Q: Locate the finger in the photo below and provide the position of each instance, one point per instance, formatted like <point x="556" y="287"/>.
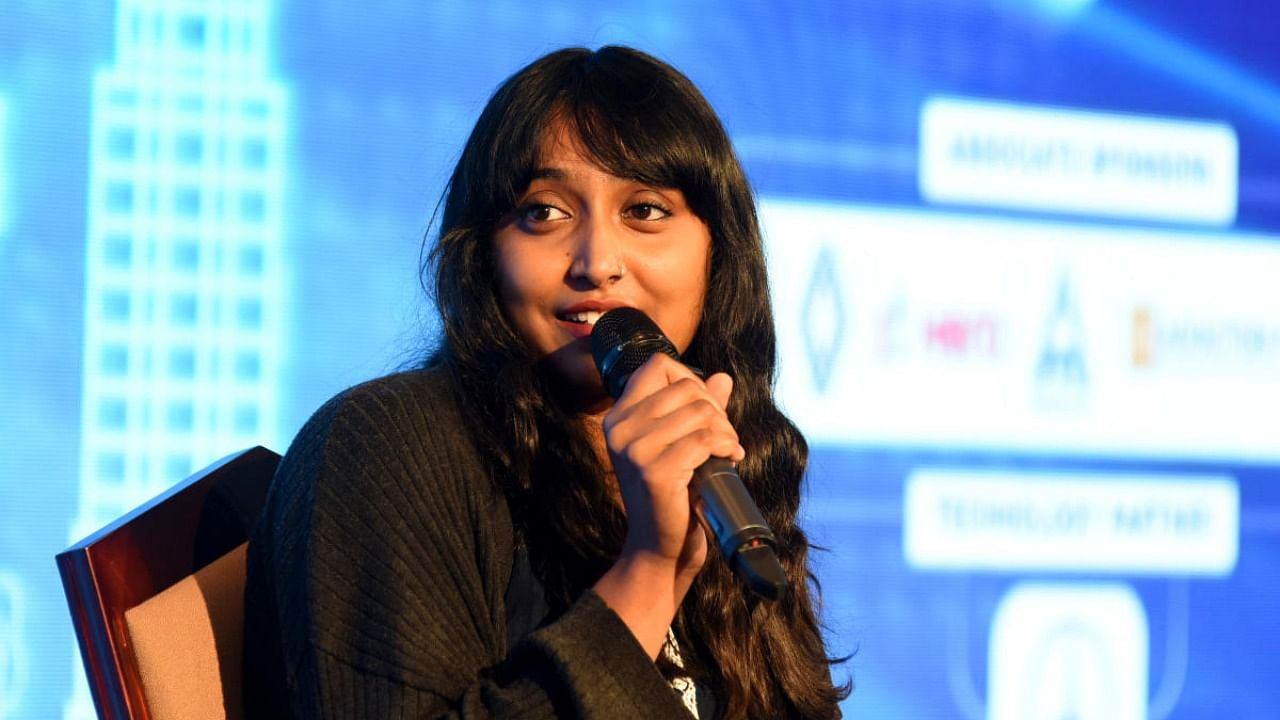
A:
<point x="629" y="420"/>
<point x="666" y="399"/>
<point x="700" y="415"/>
<point x="656" y="373"/>
<point x="682" y="457"/>
<point x="720" y="386"/>
<point x="666" y="416"/>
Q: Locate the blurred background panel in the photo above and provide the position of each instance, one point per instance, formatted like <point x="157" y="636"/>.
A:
<point x="1023" y="256"/>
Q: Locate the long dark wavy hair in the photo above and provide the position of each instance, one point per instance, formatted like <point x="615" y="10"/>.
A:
<point x="640" y="119"/>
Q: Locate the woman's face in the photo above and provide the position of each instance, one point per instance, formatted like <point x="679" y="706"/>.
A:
<point x="581" y="242"/>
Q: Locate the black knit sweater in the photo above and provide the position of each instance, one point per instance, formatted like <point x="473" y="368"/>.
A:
<point x="377" y="576"/>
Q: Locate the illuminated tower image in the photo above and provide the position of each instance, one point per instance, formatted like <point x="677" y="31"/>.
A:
<point x="12" y="655"/>
<point x="4" y="185"/>
<point x="182" y="320"/>
<point x="13" y="646"/>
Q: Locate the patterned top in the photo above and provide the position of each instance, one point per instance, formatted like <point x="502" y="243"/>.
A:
<point x="683" y="685"/>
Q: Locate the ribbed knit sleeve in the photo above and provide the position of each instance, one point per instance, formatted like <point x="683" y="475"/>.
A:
<point x="377" y="576"/>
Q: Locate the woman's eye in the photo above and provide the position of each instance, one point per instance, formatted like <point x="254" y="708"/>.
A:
<point x="541" y="212"/>
<point x="647" y="211"/>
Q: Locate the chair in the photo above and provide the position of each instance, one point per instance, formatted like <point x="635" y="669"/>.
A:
<point x="157" y="597"/>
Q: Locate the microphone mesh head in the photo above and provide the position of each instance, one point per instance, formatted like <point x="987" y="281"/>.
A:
<point x="621" y="341"/>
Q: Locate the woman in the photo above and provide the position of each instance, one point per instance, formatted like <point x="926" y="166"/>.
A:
<point x="493" y="535"/>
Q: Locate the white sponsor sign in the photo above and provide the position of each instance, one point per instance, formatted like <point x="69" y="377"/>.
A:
<point x="1068" y="651"/>
<point x="962" y="520"/>
<point x="1006" y="155"/>
<point x="925" y="328"/>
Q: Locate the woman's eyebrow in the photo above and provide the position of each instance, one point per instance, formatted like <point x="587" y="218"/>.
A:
<point x="549" y="173"/>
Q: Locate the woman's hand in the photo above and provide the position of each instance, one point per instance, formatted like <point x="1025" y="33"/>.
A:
<point x="666" y="423"/>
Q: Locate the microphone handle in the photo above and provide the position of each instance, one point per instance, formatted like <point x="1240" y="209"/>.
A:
<point x="727" y="510"/>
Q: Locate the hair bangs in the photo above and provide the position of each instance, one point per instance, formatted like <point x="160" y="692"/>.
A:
<point x="652" y="128"/>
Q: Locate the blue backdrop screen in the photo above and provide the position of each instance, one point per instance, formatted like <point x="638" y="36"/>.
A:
<point x="1023" y="256"/>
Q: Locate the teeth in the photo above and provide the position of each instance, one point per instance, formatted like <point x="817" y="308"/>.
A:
<point x="590" y="317"/>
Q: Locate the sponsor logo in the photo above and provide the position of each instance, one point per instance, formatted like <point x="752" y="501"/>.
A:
<point x="1161" y="340"/>
<point x="824" y="318"/>
<point x="1062" y="377"/>
<point x="947" y="334"/>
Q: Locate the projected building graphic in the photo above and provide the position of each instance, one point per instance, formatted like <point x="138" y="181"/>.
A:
<point x="13" y="645"/>
<point x="12" y="652"/>
<point x="182" y="299"/>
<point x="4" y="164"/>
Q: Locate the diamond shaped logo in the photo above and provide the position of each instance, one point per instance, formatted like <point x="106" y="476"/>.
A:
<point x="823" y="323"/>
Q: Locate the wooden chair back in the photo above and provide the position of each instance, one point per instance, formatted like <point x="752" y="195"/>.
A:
<point x="195" y="531"/>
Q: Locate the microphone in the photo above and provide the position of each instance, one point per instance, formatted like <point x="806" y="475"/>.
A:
<point x="621" y="341"/>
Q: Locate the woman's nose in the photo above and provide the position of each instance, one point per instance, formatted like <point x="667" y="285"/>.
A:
<point x="597" y="253"/>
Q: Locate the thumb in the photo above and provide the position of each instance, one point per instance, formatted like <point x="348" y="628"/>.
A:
<point x="720" y="386"/>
